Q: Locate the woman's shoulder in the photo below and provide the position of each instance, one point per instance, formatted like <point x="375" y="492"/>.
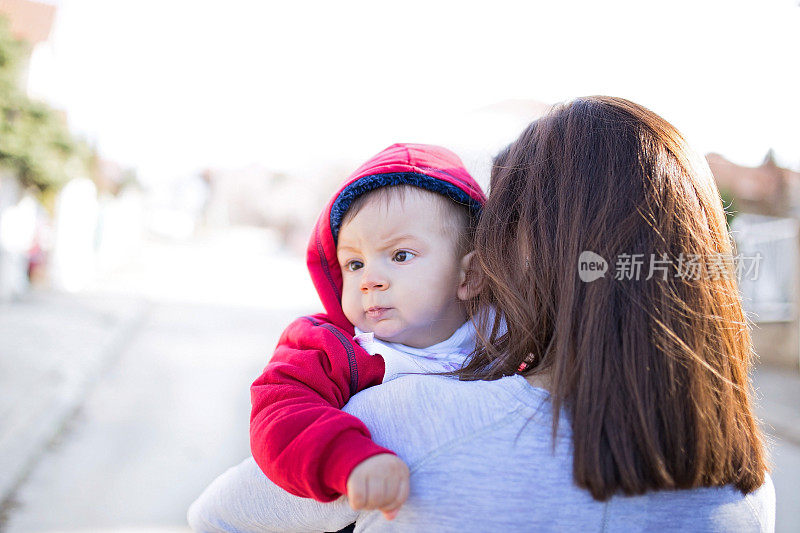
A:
<point x="702" y="509"/>
<point x="426" y="411"/>
<point x="437" y="394"/>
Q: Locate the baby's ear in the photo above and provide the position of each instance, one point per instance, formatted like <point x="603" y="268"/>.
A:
<point x="470" y="277"/>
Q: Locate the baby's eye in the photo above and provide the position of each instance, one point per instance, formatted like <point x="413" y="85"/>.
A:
<point x="401" y="256"/>
<point x="354" y="265"/>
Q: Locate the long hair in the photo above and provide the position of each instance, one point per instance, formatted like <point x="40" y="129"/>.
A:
<point x="651" y="367"/>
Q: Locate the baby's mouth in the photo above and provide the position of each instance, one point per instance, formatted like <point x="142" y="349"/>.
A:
<point x="377" y="312"/>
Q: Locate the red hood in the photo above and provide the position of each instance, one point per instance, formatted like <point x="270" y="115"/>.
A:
<point x="427" y="166"/>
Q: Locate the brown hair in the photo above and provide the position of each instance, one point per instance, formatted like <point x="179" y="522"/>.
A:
<point x="652" y="372"/>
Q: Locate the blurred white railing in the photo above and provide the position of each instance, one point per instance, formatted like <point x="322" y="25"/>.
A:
<point x="769" y="293"/>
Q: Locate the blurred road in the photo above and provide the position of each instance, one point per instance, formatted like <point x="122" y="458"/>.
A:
<point x="151" y="369"/>
<point x="169" y="416"/>
<point x="778" y="408"/>
<point x="168" y="411"/>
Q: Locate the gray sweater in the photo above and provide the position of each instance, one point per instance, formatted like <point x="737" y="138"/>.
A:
<point x="481" y="459"/>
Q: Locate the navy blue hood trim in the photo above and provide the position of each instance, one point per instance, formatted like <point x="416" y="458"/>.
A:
<point x="375" y="181"/>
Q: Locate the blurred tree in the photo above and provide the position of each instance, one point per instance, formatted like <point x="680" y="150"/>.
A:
<point x="729" y="204"/>
<point x="35" y="142"/>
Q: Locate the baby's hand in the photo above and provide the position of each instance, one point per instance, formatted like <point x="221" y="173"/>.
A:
<point x="380" y="482"/>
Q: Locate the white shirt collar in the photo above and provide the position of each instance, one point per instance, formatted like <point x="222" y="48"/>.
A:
<point x="462" y="341"/>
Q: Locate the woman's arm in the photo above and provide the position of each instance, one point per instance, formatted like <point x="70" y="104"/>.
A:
<point x="244" y="499"/>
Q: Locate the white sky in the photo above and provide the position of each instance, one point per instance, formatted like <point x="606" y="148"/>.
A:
<point x="173" y="86"/>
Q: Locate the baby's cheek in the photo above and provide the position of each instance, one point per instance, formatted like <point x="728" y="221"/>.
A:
<point x="352" y="308"/>
<point x="423" y="314"/>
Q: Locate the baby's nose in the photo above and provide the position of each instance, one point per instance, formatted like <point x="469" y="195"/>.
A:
<point x="373" y="282"/>
<point x="372" y="286"/>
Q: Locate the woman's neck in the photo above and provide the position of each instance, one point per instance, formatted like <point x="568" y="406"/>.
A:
<point x="540" y="381"/>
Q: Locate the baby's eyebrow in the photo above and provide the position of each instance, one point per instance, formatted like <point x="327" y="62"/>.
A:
<point x="344" y="248"/>
<point x="388" y="243"/>
<point x="404" y="237"/>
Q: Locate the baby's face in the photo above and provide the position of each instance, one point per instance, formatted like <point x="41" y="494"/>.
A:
<point x="401" y="271"/>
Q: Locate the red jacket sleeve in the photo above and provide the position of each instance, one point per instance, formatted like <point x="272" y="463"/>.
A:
<point x="299" y="436"/>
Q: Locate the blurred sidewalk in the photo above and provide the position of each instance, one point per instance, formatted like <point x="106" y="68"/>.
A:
<point x="778" y="401"/>
<point x="56" y="347"/>
<point x="778" y="409"/>
<point x="53" y="347"/>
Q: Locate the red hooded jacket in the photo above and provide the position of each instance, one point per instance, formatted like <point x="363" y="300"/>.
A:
<point x="298" y="434"/>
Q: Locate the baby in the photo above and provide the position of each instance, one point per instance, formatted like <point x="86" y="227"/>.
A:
<point x="390" y="257"/>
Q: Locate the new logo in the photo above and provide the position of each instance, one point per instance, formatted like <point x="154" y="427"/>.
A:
<point x="591" y="266"/>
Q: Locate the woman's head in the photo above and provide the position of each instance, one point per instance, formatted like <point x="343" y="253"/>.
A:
<point x="652" y="367"/>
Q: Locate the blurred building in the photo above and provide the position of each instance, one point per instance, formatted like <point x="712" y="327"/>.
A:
<point x="21" y="216"/>
<point x="256" y="196"/>
<point x="766" y="227"/>
<point x="31" y="23"/>
<point x="766" y="190"/>
<point x="93" y="222"/>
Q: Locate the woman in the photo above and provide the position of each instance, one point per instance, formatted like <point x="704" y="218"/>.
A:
<point x="586" y="403"/>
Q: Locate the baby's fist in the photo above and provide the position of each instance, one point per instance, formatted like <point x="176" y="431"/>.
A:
<point x="379" y="482"/>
